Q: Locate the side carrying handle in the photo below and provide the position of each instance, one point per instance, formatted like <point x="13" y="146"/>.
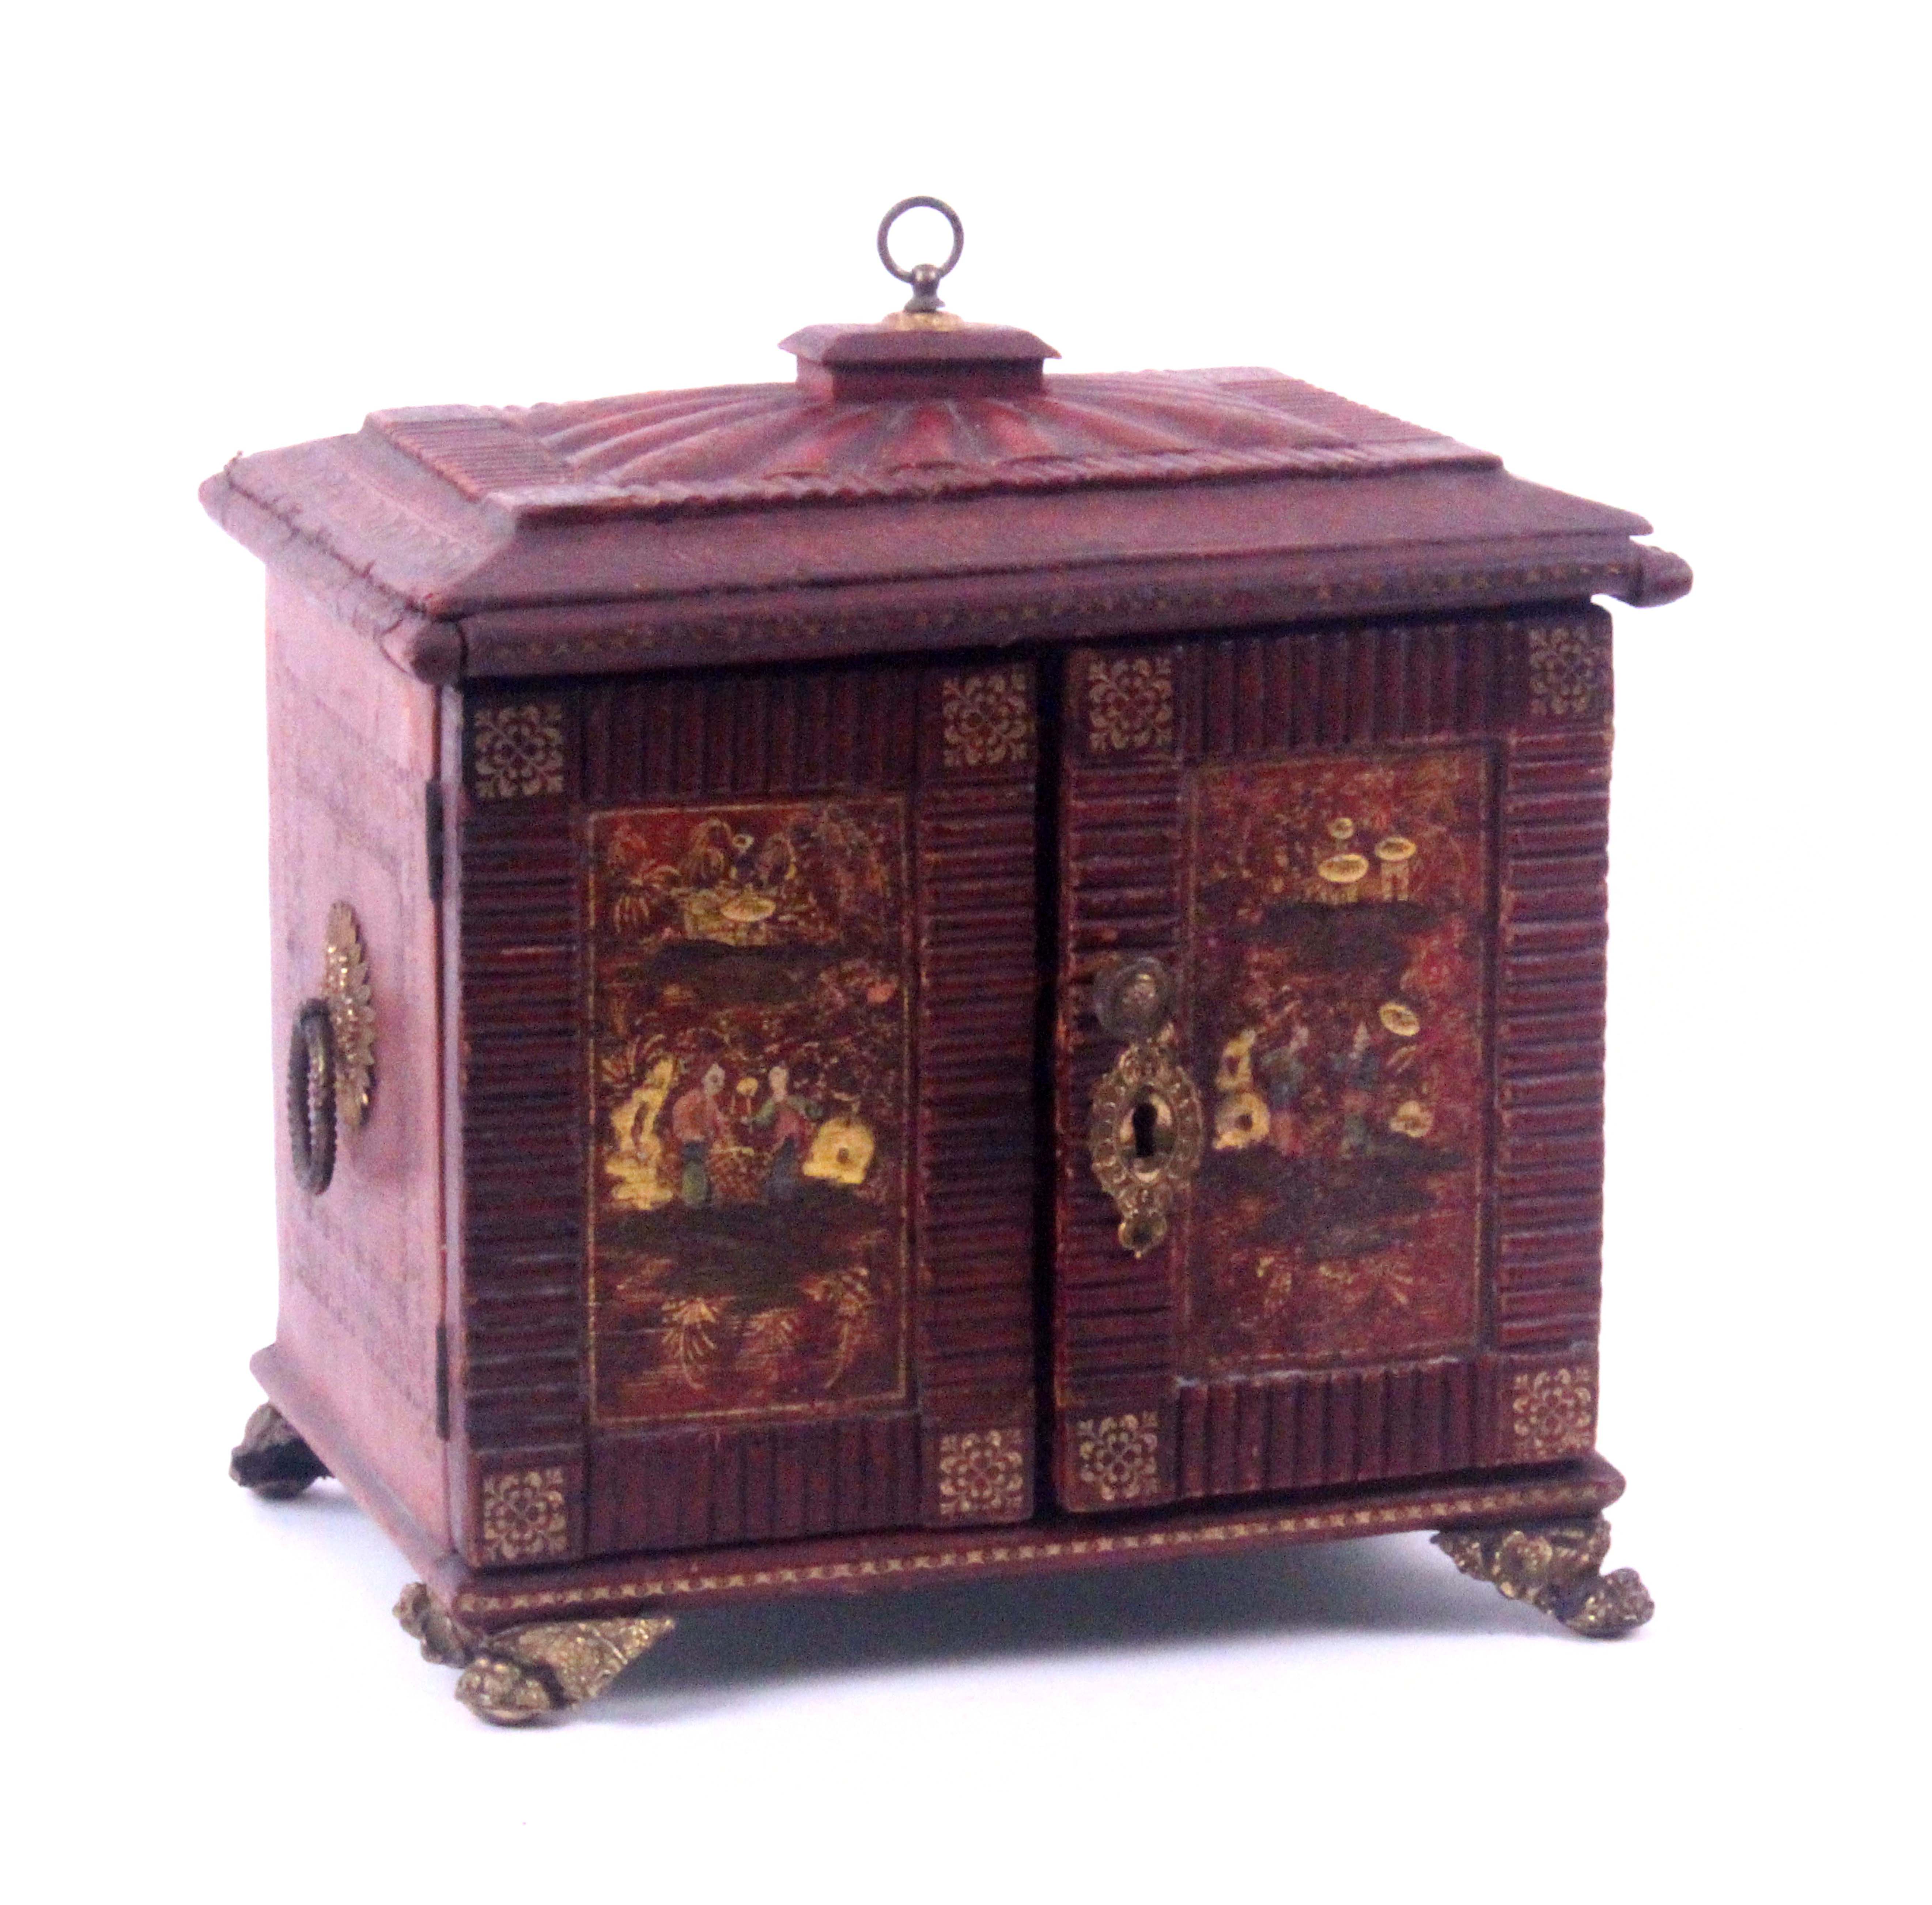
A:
<point x="1145" y="1128"/>
<point x="331" y="1053"/>
<point x="312" y="1096"/>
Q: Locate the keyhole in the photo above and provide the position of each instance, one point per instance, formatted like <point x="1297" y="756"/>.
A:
<point x="1145" y="1135"/>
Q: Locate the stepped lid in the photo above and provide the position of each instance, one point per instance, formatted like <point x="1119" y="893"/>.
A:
<point x="581" y="536"/>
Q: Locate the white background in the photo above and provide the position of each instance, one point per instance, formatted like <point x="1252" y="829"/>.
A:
<point x="1664" y="255"/>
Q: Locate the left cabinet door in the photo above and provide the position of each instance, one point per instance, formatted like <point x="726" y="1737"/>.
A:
<point x="747" y="986"/>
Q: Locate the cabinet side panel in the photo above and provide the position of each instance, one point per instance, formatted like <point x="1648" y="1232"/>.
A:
<point x="352" y="747"/>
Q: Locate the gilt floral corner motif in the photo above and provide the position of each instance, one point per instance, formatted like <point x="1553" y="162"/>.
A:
<point x="516" y="750"/>
<point x="1117" y="1457"/>
<point x="986" y="719"/>
<point x="1552" y="1413"/>
<point x="525" y="1515"/>
<point x="1130" y="704"/>
<point x="982" y="1475"/>
<point x="1569" y="672"/>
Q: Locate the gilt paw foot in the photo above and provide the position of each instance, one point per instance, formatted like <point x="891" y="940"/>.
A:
<point x="1554" y="1566"/>
<point x="525" y="1673"/>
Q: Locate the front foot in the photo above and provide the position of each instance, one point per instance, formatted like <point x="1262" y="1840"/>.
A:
<point x="525" y="1673"/>
<point x="1554" y="1566"/>
<point x="270" y="1460"/>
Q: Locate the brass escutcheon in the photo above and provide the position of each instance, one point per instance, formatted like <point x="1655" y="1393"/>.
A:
<point x="1145" y="1129"/>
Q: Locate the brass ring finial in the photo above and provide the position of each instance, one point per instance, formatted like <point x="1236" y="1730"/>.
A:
<point x="924" y="279"/>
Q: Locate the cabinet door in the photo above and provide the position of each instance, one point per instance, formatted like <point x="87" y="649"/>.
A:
<point x="797" y="1078"/>
<point x="1330" y="1083"/>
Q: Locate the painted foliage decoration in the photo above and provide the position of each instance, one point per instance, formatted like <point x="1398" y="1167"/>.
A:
<point x="748" y="1220"/>
<point x="1339" y="916"/>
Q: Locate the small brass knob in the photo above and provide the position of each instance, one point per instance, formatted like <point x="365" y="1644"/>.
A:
<point x="1135" y="999"/>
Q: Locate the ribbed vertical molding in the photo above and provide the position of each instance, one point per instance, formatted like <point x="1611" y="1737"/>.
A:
<point x="521" y="1398"/>
<point x="1331" y="687"/>
<point x="803" y="731"/>
<point x="1329" y="1425"/>
<point x="1554" y="821"/>
<point x="978" y="989"/>
<point x="1123" y="839"/>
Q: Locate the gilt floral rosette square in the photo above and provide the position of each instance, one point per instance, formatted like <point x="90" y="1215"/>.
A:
<point x="749" y="1227"/>
<point x="1340" y="909"/>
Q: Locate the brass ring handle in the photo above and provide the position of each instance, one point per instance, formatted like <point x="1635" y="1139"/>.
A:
<point x="1145" y="1129"/>
<point x="924" y="279"/>
<point x="312" y="1097"/>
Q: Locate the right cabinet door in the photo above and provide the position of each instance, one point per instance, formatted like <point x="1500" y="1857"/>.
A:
<point x="1329" y="1070"/>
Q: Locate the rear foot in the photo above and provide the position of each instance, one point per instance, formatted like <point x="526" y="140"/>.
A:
<point x="271" y="1460"/>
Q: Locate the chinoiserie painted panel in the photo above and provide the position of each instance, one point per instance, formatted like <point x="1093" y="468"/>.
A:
<point x="1370" y="861"/>
<point x="1339" y="923"/>
<point x="750" y="1242"/>
<point x="788" y="1027"/>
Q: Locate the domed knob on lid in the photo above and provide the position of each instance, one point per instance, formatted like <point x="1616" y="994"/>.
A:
<point x="924" y="350"/>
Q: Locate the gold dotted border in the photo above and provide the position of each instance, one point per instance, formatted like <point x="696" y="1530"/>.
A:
<point x="1413" y="585"/>
<point x="1410" y="1514"/>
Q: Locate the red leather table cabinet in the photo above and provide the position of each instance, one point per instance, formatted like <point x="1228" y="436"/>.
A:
<point x="940" y="970"/>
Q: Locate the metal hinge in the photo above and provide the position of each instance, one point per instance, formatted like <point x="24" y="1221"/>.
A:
<point x="433" y="836"/>
<point x="442" y="1381"/>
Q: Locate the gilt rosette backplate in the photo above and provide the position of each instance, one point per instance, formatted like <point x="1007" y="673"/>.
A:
<point x="351" y="1014"/>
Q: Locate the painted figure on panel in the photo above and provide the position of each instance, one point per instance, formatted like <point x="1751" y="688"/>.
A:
<point x="792" y="1121"/>
<point x="749" y="1229"/>
<point x="1284" y="1067"/>
<point x="696" y="1123"/>
<point x="1339" y="915"/>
